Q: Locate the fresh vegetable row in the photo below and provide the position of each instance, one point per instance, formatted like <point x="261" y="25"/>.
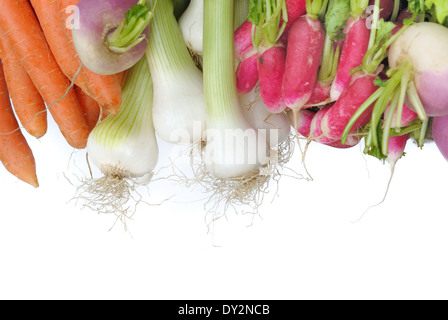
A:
<point x="230" y="78"/>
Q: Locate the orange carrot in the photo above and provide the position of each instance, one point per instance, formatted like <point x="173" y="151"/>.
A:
<point x="90" y="107"/>
<point x="20" y="26"/>
<point x="28" y="104"/>
<point x="15" y="153"/>
<point x="47" y="13"/>
<point x="106" y="90"/>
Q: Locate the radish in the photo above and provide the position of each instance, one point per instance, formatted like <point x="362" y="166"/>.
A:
<point x="336" y="119"/>
<point x="304" y="51"/>
<point x="242" y="39"/>
<point x="389" y="93"/>
<point x="268" y="19"/>
<point x="421" y="49"/>
<point x="396" y="148"/>
<point x="247" y="72"/>
<point x="303" y="120"/>
<point x="112" y="35"/>
<point x="386" y="7"/>
<point x="316" y="133"/>
<point x="335" y="20"/>
<point x="440" y="134"/>
<point x="295" y="9"/>
<point x="271" y="68"/>
<point x="354" y="49"/>
<point x="320" y="95"/>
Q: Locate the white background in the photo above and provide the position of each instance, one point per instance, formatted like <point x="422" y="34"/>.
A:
<point x="306" y="243"/>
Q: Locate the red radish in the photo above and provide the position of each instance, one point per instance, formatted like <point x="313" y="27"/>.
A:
<point x="242" y="39"/>
<point x="303" y="119"/>
<point x="296" y="9"/>
<point x="317" y="135"/>
<point x="396" y="148"/>
<point x="386" y="7"/>
<point x="404" y="14"/>
<point x="247" y="74"/>
<point x="268" y="19"/>
<point x="440" y="134"/>
<point x="354" y="49"/>
<point x="271" y="68"/>
<point x="304" y="51"/>
<point x="320" y="95"/>
<point x="337" y="118"/>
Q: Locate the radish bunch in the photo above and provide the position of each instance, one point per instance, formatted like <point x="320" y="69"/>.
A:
<point x="361" y="69"/>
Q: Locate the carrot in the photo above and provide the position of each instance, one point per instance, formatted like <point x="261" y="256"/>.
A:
<point x="21" y="28"/>
<point x="47" y="13"/>
<point x="106" y="90"/>
<point x="15" y="153"/>
<point x="28" y="104"/>
<point x="90" y="107"/>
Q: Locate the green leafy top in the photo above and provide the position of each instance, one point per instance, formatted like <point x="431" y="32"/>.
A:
<point x="336" y="17"/>
<point x="358" y="7"/>
<point x="439" y="9"/>
<point x="434" y="10"/>
<point x="269" y="18"/>
<point x="416" y="6"/>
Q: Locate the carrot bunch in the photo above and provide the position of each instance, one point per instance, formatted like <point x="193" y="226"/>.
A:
<point x="41" y="71"/>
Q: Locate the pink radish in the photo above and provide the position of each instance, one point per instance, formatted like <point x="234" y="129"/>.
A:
<point x="440" y="134"/>
<point x="320" y="95"/>
<point x="396" y="148"/>
<point x="247" y="73"/>
<point x="296" y="9"/>
<point x="304" y="51"/>
<point x="242" y="39"/>
<point x="422" y="50"/>
<point x="317" y="135"/>
<point x="303" y="120"/>
<point x="353" y="51"/>
<point x="271" y="68"/>
<point x="269" y="22"/>
<point x="386" y="7"/>
<point x="336" y="120"/>
<point x="404" y="14"/>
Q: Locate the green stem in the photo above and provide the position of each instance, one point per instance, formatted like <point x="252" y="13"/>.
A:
<point x="218" y="61"/>
<point x="423" y="130"/>
<point x="167" y="52"/>
<point x="388" y="118"/>
<point x="135" y="111"/>
<point x="241" y="12"/>
<point x="316" y="8"/>
<point x="358" y="7"/>
<point x="403" y="87"/>
<point x="415" y="101"/>
<point x="326" y="65"/>
<point x="395" y="11"/>
<point x="381" y="105"/>
<point x="374" y="26"/>
<point x="129" y="33"/>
